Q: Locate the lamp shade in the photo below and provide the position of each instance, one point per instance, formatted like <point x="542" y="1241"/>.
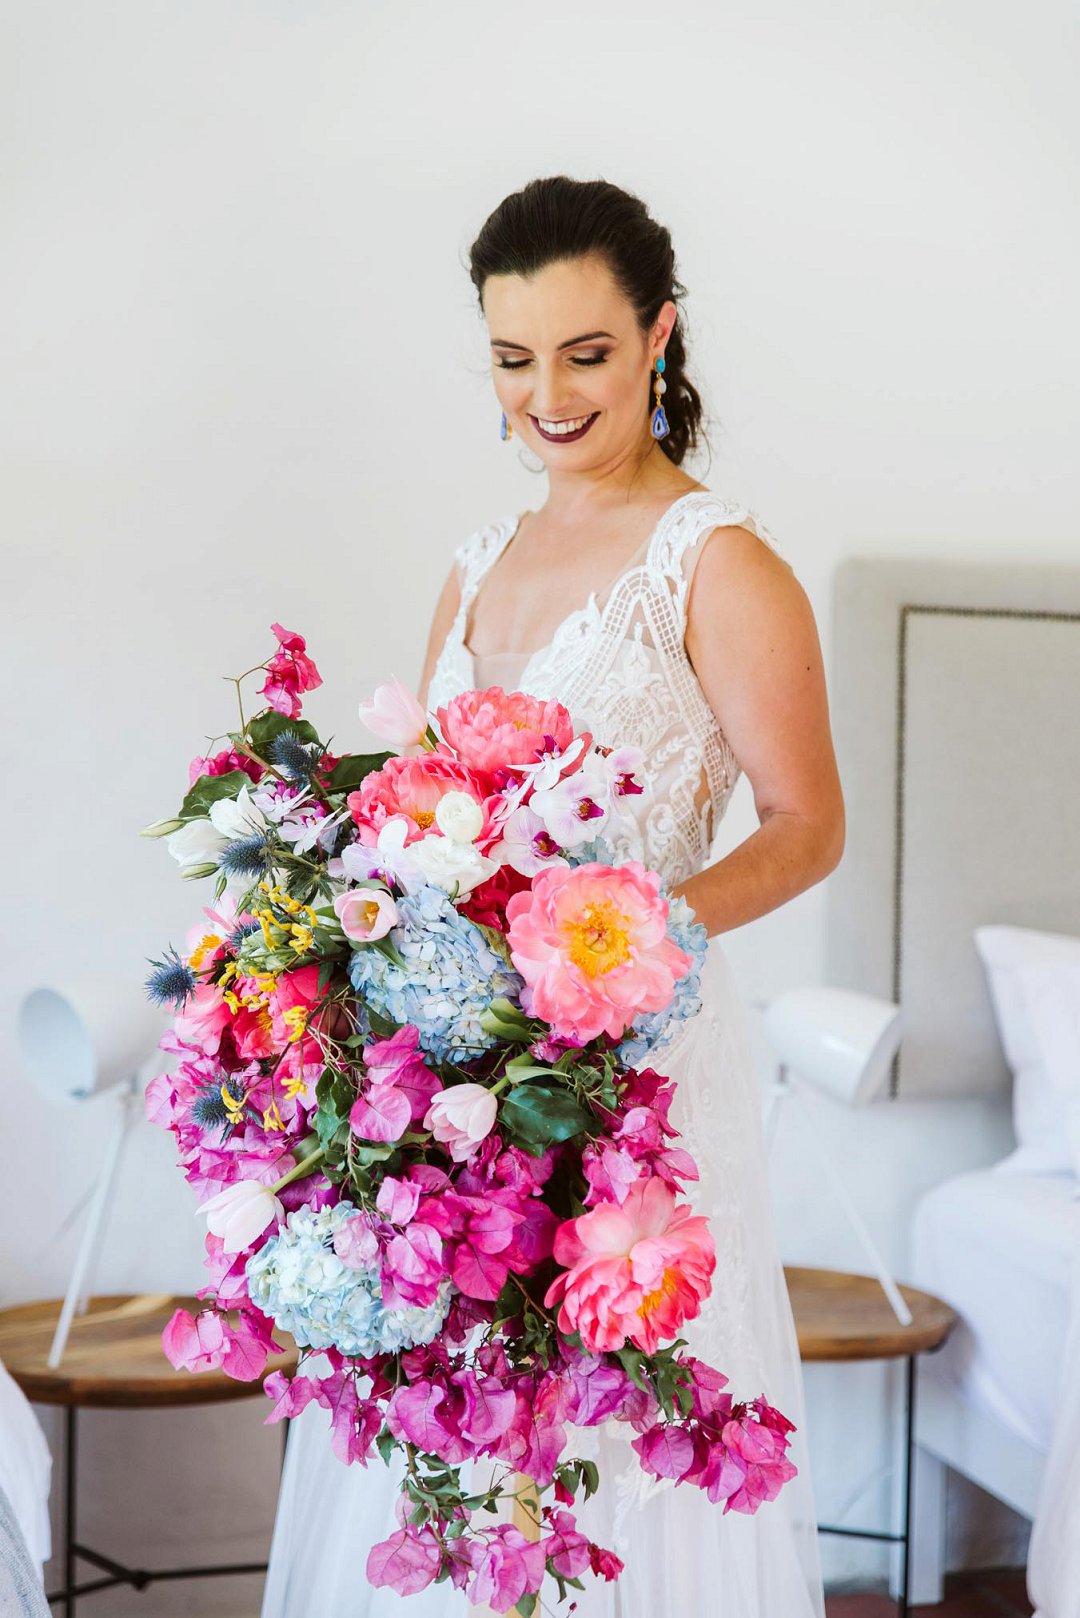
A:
<point x="86" y="1035"/>
<point x="839" y="1040"/>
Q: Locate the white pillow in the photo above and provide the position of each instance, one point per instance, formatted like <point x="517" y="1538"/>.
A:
<point x="1052" y="992"/>
<point x="1014" y="959"/>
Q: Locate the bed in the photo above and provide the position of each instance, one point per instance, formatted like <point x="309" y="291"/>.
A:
<point x="998" y="1245"/>
<point x="952" y="689"/>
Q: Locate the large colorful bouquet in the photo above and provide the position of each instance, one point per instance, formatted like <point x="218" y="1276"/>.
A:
<point x="409" y="1092"/>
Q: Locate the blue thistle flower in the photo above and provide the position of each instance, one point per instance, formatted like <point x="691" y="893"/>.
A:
<point x="240" y="931"/>
<point x="246" y="856"/>
<point x="289" y="754"/>
<point x="208" y="1109"/>
<point x="451" y="973"/>
<point x="298" y="1280"/>
<point x="171" y="982"/>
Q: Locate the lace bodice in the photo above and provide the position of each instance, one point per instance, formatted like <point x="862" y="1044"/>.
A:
<point x="620" y="666"/>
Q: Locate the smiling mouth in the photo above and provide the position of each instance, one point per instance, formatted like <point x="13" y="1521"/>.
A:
<point x="566" y="436"/>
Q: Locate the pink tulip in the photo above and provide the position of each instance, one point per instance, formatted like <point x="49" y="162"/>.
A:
<point x="460" y="1117"/>
<point x="366" y="913"/>
<point x="394" y="714"/>
<point x="637" y="1270"/>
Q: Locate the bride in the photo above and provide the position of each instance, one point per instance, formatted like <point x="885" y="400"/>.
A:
<point x="662" y="615"/>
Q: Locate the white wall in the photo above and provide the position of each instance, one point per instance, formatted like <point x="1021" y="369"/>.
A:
<point x="245" y="380"/>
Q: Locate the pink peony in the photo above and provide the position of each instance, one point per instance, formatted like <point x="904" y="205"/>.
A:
<point x="289" y="673"/>
<point x="637" y="1270"/>
<point x="495" y="730"/>
<point x="411" y="787"/>
<point x="203" y="1018"/>
<point x="591" y="943"/>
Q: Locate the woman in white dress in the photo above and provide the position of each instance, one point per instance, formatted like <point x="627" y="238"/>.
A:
<point x="661" y="614"/>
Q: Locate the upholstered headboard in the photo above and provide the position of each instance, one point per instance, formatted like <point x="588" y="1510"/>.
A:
<point x="955" y="699"/>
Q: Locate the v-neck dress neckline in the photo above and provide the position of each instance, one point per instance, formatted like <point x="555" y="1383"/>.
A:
<point x="594" y="605"/>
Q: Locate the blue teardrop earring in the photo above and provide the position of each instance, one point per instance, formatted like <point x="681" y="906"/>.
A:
<point x="505" y="429"/>
<point x="659" y="423"/>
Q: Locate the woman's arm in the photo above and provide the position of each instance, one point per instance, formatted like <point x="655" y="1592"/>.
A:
<point x="753" y="642"/>
<point x="445" y="612"/>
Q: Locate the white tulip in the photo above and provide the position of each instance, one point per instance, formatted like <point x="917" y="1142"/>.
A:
<point x="240" y="1213"/>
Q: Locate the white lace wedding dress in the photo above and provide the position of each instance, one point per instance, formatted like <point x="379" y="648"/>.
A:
<point x="619" y="665"/>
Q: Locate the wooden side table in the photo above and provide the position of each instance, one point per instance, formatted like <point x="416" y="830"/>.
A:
<point x="848" y="1317"/>
<point x="113" y="1360"/>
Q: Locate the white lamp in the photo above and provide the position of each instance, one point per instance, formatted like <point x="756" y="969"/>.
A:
<point x="842" y="1043"/>
<point x="89" y="1038"/>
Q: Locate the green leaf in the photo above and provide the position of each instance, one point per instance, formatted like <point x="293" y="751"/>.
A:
<point x="265" y="728"/>
<point x="540" y="1115"/>
<point x="349" y="772"/>
<point x="630" y="1360"/>
<point x="590" y="1477"/>
<point x="386" y="1443"/>
<point x="210" y="789"/>
<point x="506" y="1021"/>
<point x="526" y="1604"/>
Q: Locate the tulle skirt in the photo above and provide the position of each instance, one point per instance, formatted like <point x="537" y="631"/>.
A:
<point x="681" y="1552"/>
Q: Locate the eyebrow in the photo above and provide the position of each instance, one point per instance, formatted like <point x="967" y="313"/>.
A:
<point x="586" y="337"/>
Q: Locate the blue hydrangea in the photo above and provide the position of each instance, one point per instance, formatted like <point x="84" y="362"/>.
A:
<point x="298" y="1280"/>
<point x="451" y="973"/>
<point x="597" y="849"/>
<point x="658" y="1028"/>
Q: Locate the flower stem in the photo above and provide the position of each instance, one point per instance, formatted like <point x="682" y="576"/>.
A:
<point x="302" y="1168"/>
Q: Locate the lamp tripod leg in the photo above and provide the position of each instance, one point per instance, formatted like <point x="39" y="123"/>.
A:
<point x="889" y="1287"/>
<point x="89" y="1243"/>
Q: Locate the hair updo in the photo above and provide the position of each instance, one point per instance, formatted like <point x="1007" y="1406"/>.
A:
<point x="558" y="218"/>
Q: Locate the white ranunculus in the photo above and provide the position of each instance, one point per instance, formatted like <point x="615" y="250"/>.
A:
<point x="459" y="817"/>
<point x="240" y="1213"/>
<point x="445" y="864"/>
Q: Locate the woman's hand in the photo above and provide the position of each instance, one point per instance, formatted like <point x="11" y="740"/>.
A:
<point x="753" y="642"/>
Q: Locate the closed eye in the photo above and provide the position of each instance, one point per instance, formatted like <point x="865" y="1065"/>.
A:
<point x="516" y="365"/>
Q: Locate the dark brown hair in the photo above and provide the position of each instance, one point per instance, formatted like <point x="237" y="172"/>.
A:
<point x="558" y="218"/>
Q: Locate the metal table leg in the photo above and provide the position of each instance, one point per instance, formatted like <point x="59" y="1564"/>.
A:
<point x="70" y="1464"/>
<point x="903" y="1604"/>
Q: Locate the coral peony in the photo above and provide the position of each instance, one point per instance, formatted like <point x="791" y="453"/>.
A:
<point x="637" y="1270"/>
<point x="496" y="730"/>
<point x="592" y="944"/>
<point x="411" y="787"/>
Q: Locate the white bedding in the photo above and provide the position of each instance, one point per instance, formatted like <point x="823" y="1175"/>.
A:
<point x="998" y="1245"/>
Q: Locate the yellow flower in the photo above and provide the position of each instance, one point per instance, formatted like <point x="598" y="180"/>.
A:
<point x="272" y="1118"/>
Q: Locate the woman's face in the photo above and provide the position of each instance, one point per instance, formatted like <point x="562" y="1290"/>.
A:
<point x="565" y="347"/>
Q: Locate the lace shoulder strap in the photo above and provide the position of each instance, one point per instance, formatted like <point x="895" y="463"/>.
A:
<point x="676" y="546"/>
<point x="475" y="555"/>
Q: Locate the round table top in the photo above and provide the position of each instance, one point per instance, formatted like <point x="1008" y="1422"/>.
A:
<point x="113" y="1355"/>
<point x="839" y="1316"/>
